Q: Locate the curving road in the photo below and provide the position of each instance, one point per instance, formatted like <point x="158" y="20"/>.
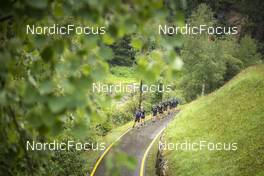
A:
<point x="134" y="143"/>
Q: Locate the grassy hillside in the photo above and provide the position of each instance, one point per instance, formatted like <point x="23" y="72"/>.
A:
<point x="232" y="114"/>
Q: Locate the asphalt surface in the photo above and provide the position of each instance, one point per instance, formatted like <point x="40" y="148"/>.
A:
<point x="134" y="144"/>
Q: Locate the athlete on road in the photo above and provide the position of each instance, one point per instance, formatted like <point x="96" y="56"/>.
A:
<point x="175" y="103"/>
<point x="154" y="113"/>
<point x="171" y="104"/>
<point x="137" y="118"/>
<point x="160" y="110"/>
<point x="165" y="107"/>
<point x="142" y="117"/>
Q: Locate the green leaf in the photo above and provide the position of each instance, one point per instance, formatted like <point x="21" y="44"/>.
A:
<point x="2" y="98"/>
<point x="31" y="95"/>
<point x="57" y="104"/>
<point x="34" y="120"/>
<point x="58" y="9"/>
<point x="137" y="43"/>
<point x="106" y="53"/>
<point x="58" y="46"/>
<point x="157" y="4"/>
<point x="57" y="127"/>
<point x="107" y="39"/>
<point x="67" y="86"/>
<point x="46" y="87"/>
<point x="40" y="4"/>
<point x="47" y="54"/>
<point x="80" y="128"/>
<point x="99" y="71"/>
<point x="86" y="69"/>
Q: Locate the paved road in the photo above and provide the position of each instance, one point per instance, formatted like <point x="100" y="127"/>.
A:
<point x="134" y="143"/>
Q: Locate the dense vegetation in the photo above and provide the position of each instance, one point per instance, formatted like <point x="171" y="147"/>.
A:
<point x="124" y="54"/>
<point x="246" y="14"/>
<point x="45" y="81"/>
<point x="211" y="61"/>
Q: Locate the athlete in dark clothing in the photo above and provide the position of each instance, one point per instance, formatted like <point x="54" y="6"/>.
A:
<point x="177" y="102"/>
<point x="160" y="110"/>
<point x="142" y="116"/>
<point x="154" y="112"/>
<point x="163" y="106"/>
<point x="137" y="117"/>
<point x="171" y="104"/>
<point x="174" y="103"/>
<point x="166" y="104"/>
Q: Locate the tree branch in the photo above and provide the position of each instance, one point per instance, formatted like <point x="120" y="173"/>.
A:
<point x="4" y="18"/>
<point x="22" y="139"/>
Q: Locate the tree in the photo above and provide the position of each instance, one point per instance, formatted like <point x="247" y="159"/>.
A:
<point x="204" y="66"/>
<point x="45" y="80"/>
<point x="209" y="63"/>
<point x="229" y="48"/>
<point x="247" y="51"/>
<point x="123" y="52"/>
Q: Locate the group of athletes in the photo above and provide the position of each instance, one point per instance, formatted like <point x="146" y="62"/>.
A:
<point x="159" y="111"/>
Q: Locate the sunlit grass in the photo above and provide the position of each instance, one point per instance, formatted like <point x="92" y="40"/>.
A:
<point x="233" y="114"/>
<point x="121" y="74"/>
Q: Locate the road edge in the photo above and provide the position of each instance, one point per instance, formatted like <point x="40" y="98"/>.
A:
<point x="143" y="161"/>
<point x="106" y="151"/>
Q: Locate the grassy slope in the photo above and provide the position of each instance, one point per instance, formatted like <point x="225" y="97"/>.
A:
<point x="234" y="113"/>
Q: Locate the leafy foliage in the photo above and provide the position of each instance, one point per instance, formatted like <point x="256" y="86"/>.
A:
<point x="247" y="51"/>
<point x="209" y="61"/>
<point x="204" y="65"/>
<point x="123" y="52"/>
<point x="45" y="80"/>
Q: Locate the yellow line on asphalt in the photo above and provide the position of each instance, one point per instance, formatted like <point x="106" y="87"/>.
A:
<point x="106" y="151"/>
<point x="146" y="154"/>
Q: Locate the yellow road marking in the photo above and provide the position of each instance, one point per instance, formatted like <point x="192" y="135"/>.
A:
<point x="110" y="146"/>
<point x="106" y="151"/>
<point x="146" y="154"/>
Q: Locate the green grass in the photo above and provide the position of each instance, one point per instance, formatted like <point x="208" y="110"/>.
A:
<point x="121" y="74"/>
<point x="232" y="114"/>
<point x="151" y="159"/>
